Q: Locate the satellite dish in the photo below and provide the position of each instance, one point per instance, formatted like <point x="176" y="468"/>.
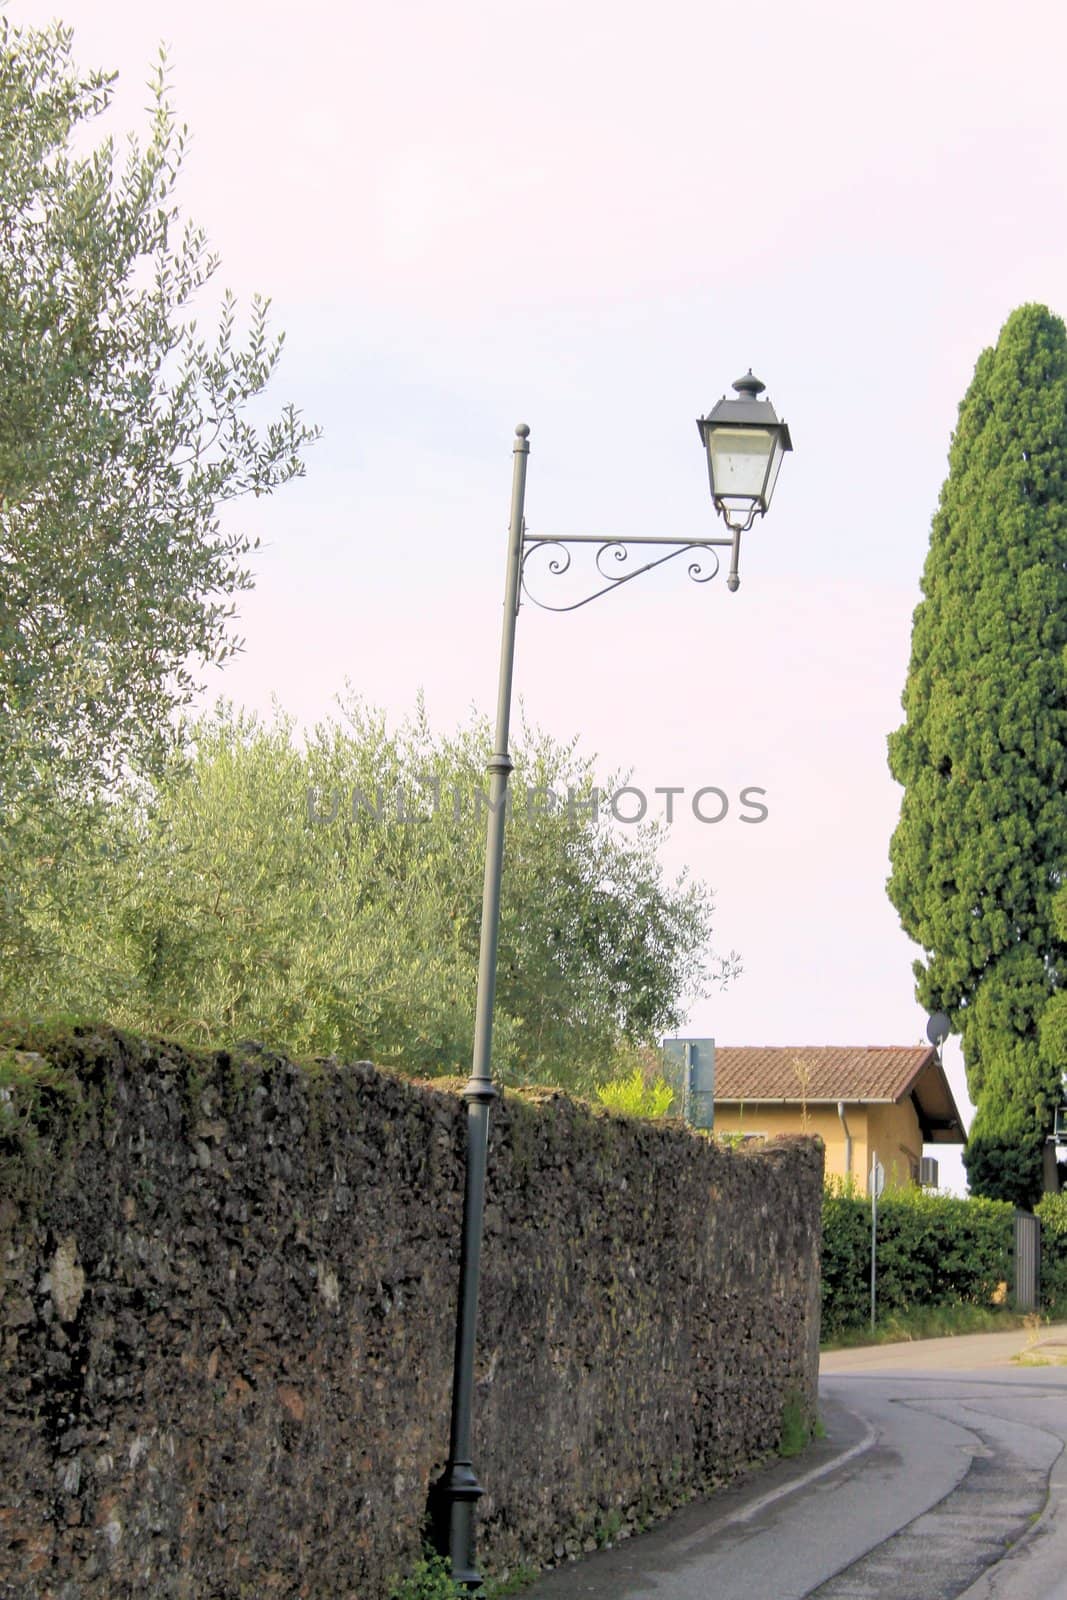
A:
<point x="938" y="1029"/>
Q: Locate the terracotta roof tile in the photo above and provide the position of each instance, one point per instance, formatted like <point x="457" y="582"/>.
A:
<point x="818" y="1072"/>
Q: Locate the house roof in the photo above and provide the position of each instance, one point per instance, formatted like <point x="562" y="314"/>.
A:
<point x="856" y="1074"/>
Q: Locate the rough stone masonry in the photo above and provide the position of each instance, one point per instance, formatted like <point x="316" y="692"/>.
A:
<point x="227" y="1315"/>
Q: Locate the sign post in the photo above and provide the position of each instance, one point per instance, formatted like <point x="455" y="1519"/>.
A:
<point x="689" y="1068"/>
<point x="877" y="1183"/>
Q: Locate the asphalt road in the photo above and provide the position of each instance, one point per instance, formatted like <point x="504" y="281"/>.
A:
<point x="943" y="1475"/>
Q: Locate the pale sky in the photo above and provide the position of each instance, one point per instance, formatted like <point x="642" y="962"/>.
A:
<point x="592" y="217"/>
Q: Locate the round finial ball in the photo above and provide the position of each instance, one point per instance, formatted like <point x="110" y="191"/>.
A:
<point x="522" y="430"/>
<point x="733" y="584"/>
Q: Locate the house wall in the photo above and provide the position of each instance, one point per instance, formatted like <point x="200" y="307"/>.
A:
<point x="894" y="1133"/>
<point x="227" y="1303"/>
<point x="890" y="1130"/>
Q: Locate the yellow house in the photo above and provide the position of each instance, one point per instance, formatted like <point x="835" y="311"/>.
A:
<point x="885" y="1100"/>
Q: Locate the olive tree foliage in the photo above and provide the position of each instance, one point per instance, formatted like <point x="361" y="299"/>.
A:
<point x="325" y="897"/>
<point x="123" y="430"/>
<point x="979" y="854"/>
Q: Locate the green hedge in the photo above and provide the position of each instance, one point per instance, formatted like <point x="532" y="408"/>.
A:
<point x="932" y="1251"/>
<point x="1052" y="1210"/>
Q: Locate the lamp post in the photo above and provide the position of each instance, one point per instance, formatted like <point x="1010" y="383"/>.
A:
<point x="745" y="444"/>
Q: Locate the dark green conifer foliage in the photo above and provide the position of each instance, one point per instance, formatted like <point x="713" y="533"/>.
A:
<point x="980" y="849"/>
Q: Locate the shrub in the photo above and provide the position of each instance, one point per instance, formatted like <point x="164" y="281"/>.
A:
<point x="265" y="887"/>
<point x="840" y="1188"/>
<point x="1052" y="1209"/>
<point x="933" y="1250"/>
<point x="633" y="1097"/>
<point x="430" y="1580"/>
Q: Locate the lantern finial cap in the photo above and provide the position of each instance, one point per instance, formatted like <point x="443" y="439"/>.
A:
<point x="749" y="386"/>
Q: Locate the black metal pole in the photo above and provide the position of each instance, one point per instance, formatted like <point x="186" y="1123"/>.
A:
<point x="459" y="1490"/>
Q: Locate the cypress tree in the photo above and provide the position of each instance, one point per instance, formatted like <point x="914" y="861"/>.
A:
<point x="978" y="855"/>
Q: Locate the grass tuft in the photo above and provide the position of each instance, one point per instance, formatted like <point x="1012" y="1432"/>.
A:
<point x="928" y="1322"/>
<point x="797" y="1430"/>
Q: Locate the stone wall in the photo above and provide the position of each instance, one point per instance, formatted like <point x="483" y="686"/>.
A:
<point x="227" y="1308"/>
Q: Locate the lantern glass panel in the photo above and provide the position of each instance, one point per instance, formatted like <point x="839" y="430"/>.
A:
<point x="739" y="459"/>
<point x="772" y="476"/>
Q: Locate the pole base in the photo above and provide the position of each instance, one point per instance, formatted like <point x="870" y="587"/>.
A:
<point x="453" y="1499"/>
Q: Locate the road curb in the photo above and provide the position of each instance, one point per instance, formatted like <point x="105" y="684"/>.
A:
<point x="858" y="1447"/>
<point x="848" y="1436"/>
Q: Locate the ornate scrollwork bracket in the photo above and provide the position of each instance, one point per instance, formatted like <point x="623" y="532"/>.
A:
<point x="612" y="562"/>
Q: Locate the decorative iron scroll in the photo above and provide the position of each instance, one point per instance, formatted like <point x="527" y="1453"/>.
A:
<point x="613" y="553"/>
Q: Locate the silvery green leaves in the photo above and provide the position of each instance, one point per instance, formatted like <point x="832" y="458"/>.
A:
<point x="123" y="434"/>
<point x="215" y="907"/>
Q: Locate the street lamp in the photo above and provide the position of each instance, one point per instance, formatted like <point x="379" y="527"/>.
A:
<point x="745" y="443"/>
